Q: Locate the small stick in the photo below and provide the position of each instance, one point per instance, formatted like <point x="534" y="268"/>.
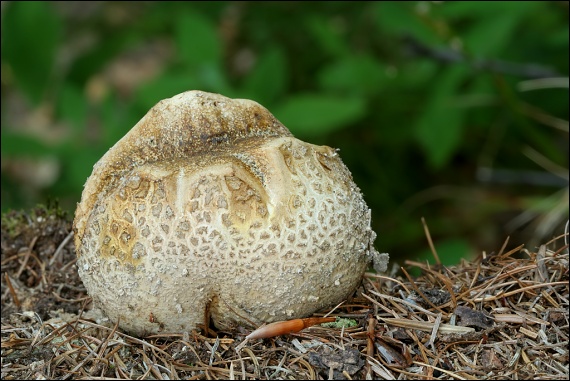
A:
<point x="12" y="291"/>
<point x="432" y="247"/>
<point x="370" y="343"/>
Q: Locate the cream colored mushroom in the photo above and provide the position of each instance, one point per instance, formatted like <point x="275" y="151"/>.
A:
<point x="209" y="206"/>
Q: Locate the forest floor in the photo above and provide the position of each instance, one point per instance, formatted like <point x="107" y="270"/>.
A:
<point x="502" y="316"/>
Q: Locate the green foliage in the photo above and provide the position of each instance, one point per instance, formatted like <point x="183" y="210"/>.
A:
<point x="416" y="95"/>
<point x="31" y="34"/>
<point x="268" y="80"/>
<point x="448" y="251"/>
<point x="394" y="19"/>
<point x="326" y="36"/>
<point x="360" y="75"/>
<point x="72" y="107"/>
<point x="15" y="222"/>
<point x="317" y="114"/>
<point x="341" y="323"/>
<point x="16" y="144"/>
<point x="488" y="38"/>
<point x="439" y="128"/>
<point x="197" y="43"/>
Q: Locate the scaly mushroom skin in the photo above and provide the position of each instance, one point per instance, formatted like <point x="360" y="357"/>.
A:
<point x="210" y="206"/>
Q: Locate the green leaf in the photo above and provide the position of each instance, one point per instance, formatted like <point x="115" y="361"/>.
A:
<point x="327" y="36"/>
<point x="400" y="18"/>
<point x="31" y="33"/>
<point x="213" y="79"/>
<point x="493" y="27"/>
<point x="77" y="170"/>
<point x="482" y="11"/>
<point x="267" y="81"/>
<point x="313" y="115"/>
<point x="116" y="120"/>
<point x="197" y="41"/>
<point x="72" y="106"/>
<point x="162" y="87"/>
<point x="490" y="37"/>
<point x="96" y="58"/>
<point x="20" y="145"/>
<point x="438" y="130"/>
<point x="439" y="133"/>
<point x="416" y="74"/>
<point x="360" y="74"/>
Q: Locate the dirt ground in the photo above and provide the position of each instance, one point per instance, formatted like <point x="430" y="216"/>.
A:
<point x="504" y="316"/>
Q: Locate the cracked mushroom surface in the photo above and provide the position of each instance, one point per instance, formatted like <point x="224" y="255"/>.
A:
<point x="210" y="206"/>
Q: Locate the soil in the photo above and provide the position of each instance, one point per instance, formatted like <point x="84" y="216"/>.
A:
<point x="503" y="316"/>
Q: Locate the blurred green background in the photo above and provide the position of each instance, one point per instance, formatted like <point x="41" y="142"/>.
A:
<point x="456" y="112"/>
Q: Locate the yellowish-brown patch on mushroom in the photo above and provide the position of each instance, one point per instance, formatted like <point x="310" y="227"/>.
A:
<point x="210" y="203"/>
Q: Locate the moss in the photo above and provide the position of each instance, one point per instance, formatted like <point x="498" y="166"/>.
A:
<point x="341" y="323"/>
<point x="17" y="222"/>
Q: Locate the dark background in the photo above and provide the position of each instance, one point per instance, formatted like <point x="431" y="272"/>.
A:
<point x="456" y="112"/>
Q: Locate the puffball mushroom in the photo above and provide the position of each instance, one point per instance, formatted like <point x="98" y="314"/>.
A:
<point x="210" y="207"/>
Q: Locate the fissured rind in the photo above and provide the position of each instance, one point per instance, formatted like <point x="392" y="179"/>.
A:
<point x="210" y="207"/>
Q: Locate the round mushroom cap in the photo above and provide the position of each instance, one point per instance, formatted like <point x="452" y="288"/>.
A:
<point x="209" y="207"/>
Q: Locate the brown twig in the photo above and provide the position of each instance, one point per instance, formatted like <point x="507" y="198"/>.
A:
<point x="12" y="291"/>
